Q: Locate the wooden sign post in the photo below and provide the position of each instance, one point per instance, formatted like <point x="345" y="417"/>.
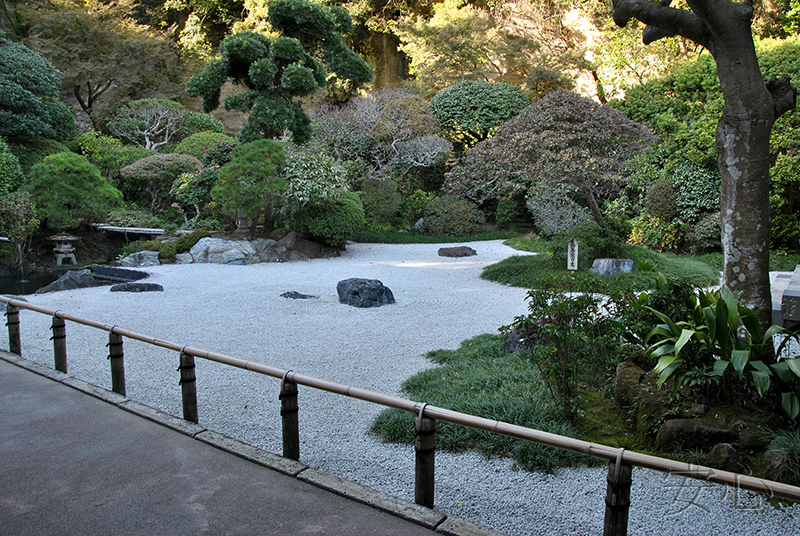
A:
<point x="572" y="255"/>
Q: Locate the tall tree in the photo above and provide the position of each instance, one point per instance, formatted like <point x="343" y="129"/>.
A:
<point x="103" y="55"/>
<point x="751" y="107"/>
<point x="275" y="71"/>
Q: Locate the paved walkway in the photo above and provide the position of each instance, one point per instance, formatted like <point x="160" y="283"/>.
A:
<point x="71" y="463"/>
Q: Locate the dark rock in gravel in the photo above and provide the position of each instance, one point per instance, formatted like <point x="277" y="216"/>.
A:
<point x="459" y="251"/>
<point x="71" y="280"/>
<point x="364" y="293"/>
<point x="297" y="296"/>
<point x="137" y="287"/>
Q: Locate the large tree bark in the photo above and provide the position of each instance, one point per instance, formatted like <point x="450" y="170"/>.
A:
<point x="751" y="108"/>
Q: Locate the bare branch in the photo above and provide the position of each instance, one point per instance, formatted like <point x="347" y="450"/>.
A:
<point x="662" y="21"/>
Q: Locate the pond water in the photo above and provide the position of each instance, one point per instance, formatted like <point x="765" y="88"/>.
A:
<point x="32" y="282"/>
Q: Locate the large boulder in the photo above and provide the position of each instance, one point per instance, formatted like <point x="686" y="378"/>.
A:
<point x="612" y="266"/>
<point x="457" y="251"/>
<point x="692" y="434"/>
<point x="364" y="293"/>
<point x="220" y="251"/>
<point x="71" y="280"/>
<point x="141" y="259"/>
<point x="626" y="384"/>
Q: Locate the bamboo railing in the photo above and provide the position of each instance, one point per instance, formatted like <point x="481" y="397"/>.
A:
<point x="620" y="460"/>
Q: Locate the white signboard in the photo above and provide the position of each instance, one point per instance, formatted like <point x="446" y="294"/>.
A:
<point x="572" y="254"/>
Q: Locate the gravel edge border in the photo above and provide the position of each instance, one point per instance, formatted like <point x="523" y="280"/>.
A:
<point x="426" y="517"/>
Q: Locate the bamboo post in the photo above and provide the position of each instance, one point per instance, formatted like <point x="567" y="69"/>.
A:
<point x="290" y="419"/>
<point x="12" y="321"/>
<point x="60" y="344"/>
<point x="618" y="497"/>
<point x="188" y="387"/>
<point x="425" y="454"/>
<point x="117" y="358"/>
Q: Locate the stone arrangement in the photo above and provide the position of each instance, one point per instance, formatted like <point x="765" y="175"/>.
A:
<point x="364" y="293"/>
<point x="458" y="251"/>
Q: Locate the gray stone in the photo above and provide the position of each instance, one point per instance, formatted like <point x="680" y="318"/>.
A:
<point x="141" y="259"/>
<point x="184" y="258"/>
<point x="612" y="266"/>
<point x="364" y="293"/>
<point x="297" y="296"/>
<point x="728" y="458"/>
<point x="262" y="244"/>
<point x="70" y="281"/>
<point x="419" y="226"/>
<point x="692" y="434"/>
<point x="458" y="251"/>
<point x="137" y="287"/>
<point x="626" y="384"/>
<point x="522" y="339"/>
<point x="219" y="251"/>
<point x="289" y="240"/>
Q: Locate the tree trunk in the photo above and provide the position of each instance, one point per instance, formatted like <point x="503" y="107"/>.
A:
<point x="743" y="158"/>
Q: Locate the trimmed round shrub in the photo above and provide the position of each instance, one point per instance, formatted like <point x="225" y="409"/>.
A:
<point x="32" y="150"/>
<point x="706" y="234"/>
<point x="594" y="242"/>
<point x="654" y="233"/>
<point x="661" y="199"/>
<point x="197" y="145"/>
<point x="453" y="216"/>
<point x="67" y="190"/>
<point x="148" y="181"/>
<point x="332" y="221"/>
<point x="381" y="200"/>
<point x="470" y="111"/>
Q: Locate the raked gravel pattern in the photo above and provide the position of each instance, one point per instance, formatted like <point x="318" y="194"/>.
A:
<point x="238" y="310"/>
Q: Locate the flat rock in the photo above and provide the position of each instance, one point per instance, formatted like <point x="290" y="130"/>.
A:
<point x="364" y="293"/>
<point x="458" y="251"/>
<point x="184" y="258"/>
<point x="141" y="259"/>
<point x="297" y="296"/>
<point x="220" y="251"/>
<point x="692" y="434"/>
<point x="137" y="287"/>
<point x="612" y="266"/>
<point x="71" y="280"/>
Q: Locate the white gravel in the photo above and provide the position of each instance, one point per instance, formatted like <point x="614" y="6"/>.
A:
<point x="441" y="302"/>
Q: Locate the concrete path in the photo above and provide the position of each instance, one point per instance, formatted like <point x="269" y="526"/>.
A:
<point x="71" y="463"/>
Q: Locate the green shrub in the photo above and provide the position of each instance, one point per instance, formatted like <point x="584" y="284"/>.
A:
<point x="784" y="231"/>
<point x="471" y="111"/>
<point x="219" y="154"/>
<point x="554" y="211"/>
<point x="413" y="205"/>
<point x="697" y="191"/>
<point x="134" y="217"/>
<point x="11" y="176"/>
<point x="32" y="150"/>
<point x="197" y="145"/>
<point x="661" y="200"/>
<point x="453" y="216"/>
<point x="706" y="234"/>
<point x="594" y="242"/>
<point x="67" y="190"/>
<point x="187" y="242"/>
<point x="149" y="180"/>
<point x="506" y="211"/>
<point x="166" y="250"/>
<point x="783" y="456"/>
<point x="654" y="233"/>
<point x="332" y="220"/>
<point x="381" y="200"/>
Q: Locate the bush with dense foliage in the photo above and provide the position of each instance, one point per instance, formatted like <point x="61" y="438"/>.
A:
<point x="276" y="71"/>
<point x="68" y="190"/>
<point x="452" y="216"/>
<point x="553" y="211"/>
<point x="29" y="89"/>
<point x="148" y="181"/>
<point x="109" y="154"/>
<point x="333" y="220"/>
<point x="471" y="111"/>
<point x="381" y="200"/>
<point x="32" y="150"/>
<point x="198" y="145"/>
<point x="563" y="141"/>
<point x="251" y="180"/>
<point x="11" y="176"/>
<point x="18" y="223"/>
<point x="661" y="200"/>
<point x="310" y="178"/>
<point x="655" y="233"/>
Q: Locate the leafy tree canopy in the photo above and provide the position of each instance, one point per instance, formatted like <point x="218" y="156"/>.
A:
<point x="102" y="54"/>
<point x="274" y="71"/>
<point x="29" y="86"/>
<point x="564" y="141"/>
